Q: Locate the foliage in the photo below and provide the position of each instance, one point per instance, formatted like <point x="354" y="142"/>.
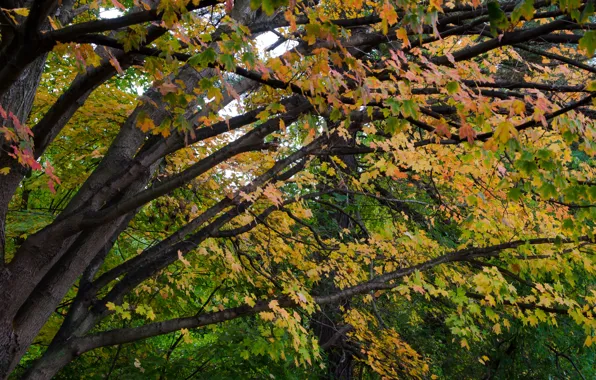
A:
<point x="406" y="190"/>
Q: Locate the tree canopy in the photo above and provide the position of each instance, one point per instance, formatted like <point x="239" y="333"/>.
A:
<point x="297" y="189"/>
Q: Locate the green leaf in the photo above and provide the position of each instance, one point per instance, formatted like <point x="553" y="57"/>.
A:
<point x="588" y="42"/>
<point x="392" y="125"/>
<point x="514" y="194"/>
<point x="228" y="61"/>
<point x="394" y="105"/>
<point x="567" y="224"/>
<point x="527" y="166"/>
<point x="409" y="108"/>
<point x="204" y="59"/>
<point x="587" y="12"/>
<point x="249" y="59"/>
<point x="497" y="18"/>
<point x="548" y="190"/>
<point x="255" y="4"/>
<point x="452" y="87"/>
<point x="524" y="9"/>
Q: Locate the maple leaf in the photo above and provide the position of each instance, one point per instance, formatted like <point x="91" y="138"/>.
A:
<point x="249" y="301"/>
<point x="587" y="43"/>
<point x="523" y="9"/>
<point x="167" y="87"/>
<point x="402" y="34"/>
<point x="467" y="132"/>
<point x="498" y="18"/>
<point x="53" y="179"/>
<point x="389" y="14"/>
<point x="273" y="194"/>
<point x="145" y="124"/>
<point x="267" y="316"/>
<point x="443" y="129"/>
<point x="182" y="259"/>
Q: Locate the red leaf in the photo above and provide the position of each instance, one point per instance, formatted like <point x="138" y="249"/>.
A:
<point x="229" y="6"/>
<point x="466" y="132"/>
<point x="117" y="4"/>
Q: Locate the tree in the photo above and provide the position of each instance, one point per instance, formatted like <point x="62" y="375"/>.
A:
<point x="399" y="161"/>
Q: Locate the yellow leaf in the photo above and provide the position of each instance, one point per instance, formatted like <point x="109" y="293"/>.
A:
<point x="464" y="344"/>
<point x="20" y="11"/>
<point x="402" y="34"/>
<point x="267" y="316"/>
<point x="249" y="301"/>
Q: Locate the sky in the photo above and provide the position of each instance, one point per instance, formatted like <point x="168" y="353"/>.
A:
<point x="262" y="42"/>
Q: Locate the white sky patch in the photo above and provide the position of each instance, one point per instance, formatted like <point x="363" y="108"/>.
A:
<point x="267" y="39"/>
<point x="231" y="110"/>
<point x="262" y="42"/>
<point x="110" y="13"/>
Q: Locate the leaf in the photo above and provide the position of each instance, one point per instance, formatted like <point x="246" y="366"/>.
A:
<point x="467" y="132"/>
<point x="273" y="194"/>
<point x="388" y="14"/>
<point x="267" y="316"/>
<point x="249" y="301"/>
<point x="20" y="11"/>
<point x="229" y="6"/>
<point x="524" y="9"/>
<point x="167" y="88"/>
<point x="587" y="12"/>
<point x="498" y="18"/>
<point x="118" y="5"/>
<point x="269" y="6"/>
<point x="588" y="43"/>
<point x="452" y="87"/>
<point x="505" y="131"/>
<point x="182" y="259"/>
<point x="409" y="108"/>
<point x="402" y="34"/>
<point x="514" y="194"/>
<point x="204" y="59"/>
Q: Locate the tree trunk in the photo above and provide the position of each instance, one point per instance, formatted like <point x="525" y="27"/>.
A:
<point x="340" y="362"/>
<point x="18" y="100"/>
